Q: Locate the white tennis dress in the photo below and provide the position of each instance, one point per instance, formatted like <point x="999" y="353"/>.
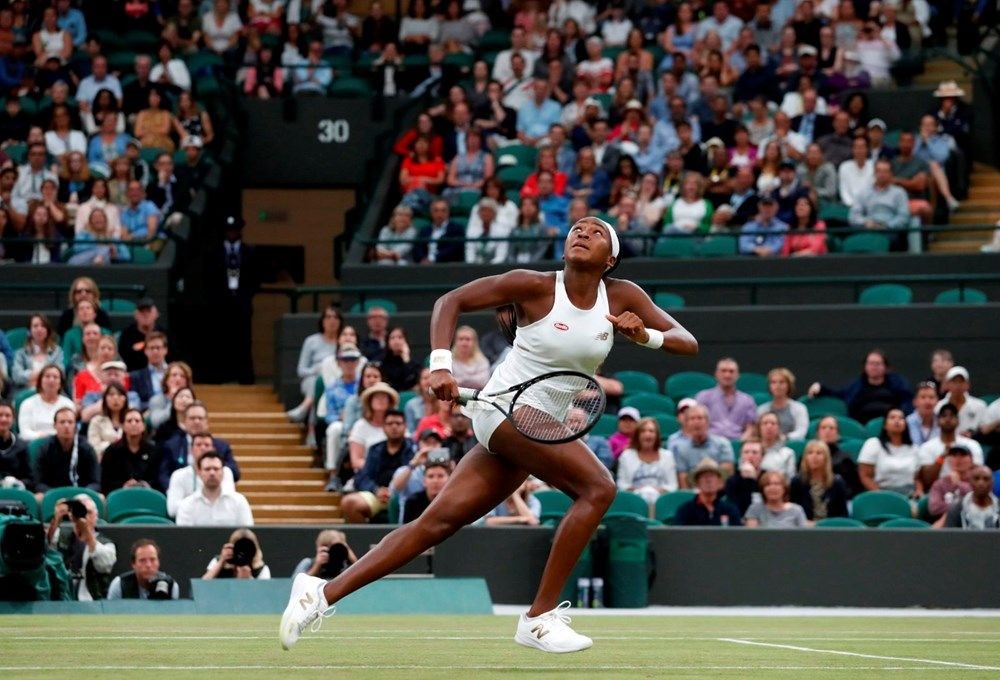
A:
<point x="567" y="338"/>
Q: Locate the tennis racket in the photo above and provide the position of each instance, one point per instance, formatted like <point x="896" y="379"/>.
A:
<point x="553" y="408"/>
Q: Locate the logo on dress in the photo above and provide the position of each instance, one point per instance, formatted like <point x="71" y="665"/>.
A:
<point x="560" y="326"/>
<point x="603" y="336"/>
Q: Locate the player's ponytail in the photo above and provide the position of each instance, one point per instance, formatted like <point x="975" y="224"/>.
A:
<point x="507" y="321"/>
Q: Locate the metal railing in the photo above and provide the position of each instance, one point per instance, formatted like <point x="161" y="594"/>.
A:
<point x="109" y="291"/>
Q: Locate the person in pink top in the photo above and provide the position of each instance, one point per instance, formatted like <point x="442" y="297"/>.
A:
<point x="628" y="420"/>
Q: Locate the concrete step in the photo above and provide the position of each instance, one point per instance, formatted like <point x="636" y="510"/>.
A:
<point x="247" y="462"/>
<point x="983" y="218"/>
<point x="271" y="474"/>
<point x="278" y="449"/>
<point x="313" y="497"/>
<point x="283" y="486"/>
<point x="259" y="438"/>
<point x="985" y="193"/>
<point x="254" y="427"/>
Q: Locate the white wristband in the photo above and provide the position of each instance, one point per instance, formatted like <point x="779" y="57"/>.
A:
<point x="440" y="360"/>
<point x="655" y="340"/>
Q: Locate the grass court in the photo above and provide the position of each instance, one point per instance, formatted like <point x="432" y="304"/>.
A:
<point x="48" y="647"/>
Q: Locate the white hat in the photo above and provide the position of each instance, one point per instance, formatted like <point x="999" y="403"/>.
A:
<point x="949" y="88"/>
<point x="629" y="412"/>
<point x="685" y="403"/>
<point x="956" y="372"/>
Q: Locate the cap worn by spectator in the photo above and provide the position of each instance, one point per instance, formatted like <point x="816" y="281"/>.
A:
<point x="808" y="50"/>
<point x="489" y="204"/>
<point x="687" y="402"/>
<point x="132" y="141"/>
<point x="959" y="450"/>
<point x="145" y="303"/>
<point x="193" y="140"/>
<point x="111" y="365"/>
<point x="715" y="141"/>
<point x="877" y="123"/>
<point x="956" y="372"/>
<point x="429" y="433"/>
<point x="633" y="105"/>
<point x="629" y="412"/>
<point x="707" y="465"/>
<point x="507" y="160"/>
<point x="949" y="88"/>
<point x="786" y="165"/>
<point x="768" y="200"/>
<point x="348" y="352"/>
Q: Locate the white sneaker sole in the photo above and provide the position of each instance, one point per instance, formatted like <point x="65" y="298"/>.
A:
<point x="534" y="643"/>
<point x="286" y="630"/>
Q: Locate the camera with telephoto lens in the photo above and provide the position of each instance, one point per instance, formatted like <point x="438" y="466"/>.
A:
<point x="244" y="550"/>
<point x="77" y="509"/>
<point x="336" y="562"/>
<point x="159" y="589"/>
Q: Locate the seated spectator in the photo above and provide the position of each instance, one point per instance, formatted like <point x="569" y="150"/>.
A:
<point x="494" y="117"/>
<point x="222" y="28"/>
<point x="537" y="114"/>
<point x="742" y="488"/>
<point x="484" y="224"/>
<point x="764" y="236"/>
<point x="140" y="217"/>
<point x="145" y="581"/>
<point x="699" y="444"/>
<point x="337" y="410"/>
<point x="978" y="509"/>
<point x="333" y="554"/>
<point x="812" y="123"/>
<point x="177" y="451"/>
<point x="787" y="191"/>
<point x="99" y="200"/>
<point x="39" y="350"/>
<point x="707" y="508"/>
<point x="733" y="413"/>
<point x="922" y="422"/>
<point x="970" y="408"/>
<point x="106" y="428"/>
<point x="882" y="206"/>
<point x="690" y="213"/>
<point x="954" y="485"/>
<point x="418" y="28"/>
<point x="857" y="175"/>
<point x="911" y="174"/>
<point x="66" y="459"/>
<point x="435" y="475"/>
<point x="645" y="467"/>
<point x="30" y="176"/>
<point x="312" y="75"/>
<point x="372" y="480"/>
<point x="376" y="401"/>
<point x="876" y="53"/>
<point x="240" y="557"/>
<point x="876" y="141"/>
<point x="521" y="507"/>
<point x="628" y="422"/>
<point x="91" y="246"/>
<point x="837" y="145"/>
<point x="90" y="376"/>
<point x="873" y="392"/>
<point x="395" y="240"/>
<point x="164" y="408"/>
<point x="51" y="40"/>
<point x="774" y="510"/>
<point x="529" y="225"/>
<point x="769" y="167"/>
<point x="130" y="461"/>
<point x="15" y="468"/>
<point x="154" y="124"/>
<point x="471" y="367"/>
<point x="793" y="417"/>
<point x="170" y="72"/>
<point x="890" y="461"/>
<point x="407" y="480"/>
<point x="935" y="149"/>
<point x="469" y="170"/>
<point x="213" y="504"/>
<point x="777" y="456"/>
<point x="192" y="120"/>
<point x="36" y="415"/>
<point x="805" y="236"/>
<point x="741" y="154"/>
<point x="147" y="381"/>
<point x="88" y="556"/>
<point x="442" y="240"/>
<point x="828" y="432"/>
<point x="596" y="70"/>
<point x="61" y="138"/>
<point x="186" y="481"/>
<point x="819" y="490"/>
<point x="933" y="452"/>
<point x="590" y="182"/>
<point x="315" y="348"/>
<point x="398" y="367"/>
<point x="75" y="180"/>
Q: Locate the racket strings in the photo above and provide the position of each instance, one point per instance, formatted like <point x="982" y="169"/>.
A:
<point x="558" y="408"/>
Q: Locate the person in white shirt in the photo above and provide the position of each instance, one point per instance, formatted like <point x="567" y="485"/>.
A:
<point x="170" y="70"/>
<point x="933" y="453"/>
<point x="722" y="22"/>
<point x="214" y="506"/>
<point x="30" y="176"/>
<point x="890" y="461"/>
<point x="615" y="29"/>
<point x="186" y="482"/>
<point x="579" y="11"/>
<point x="35" y="417"/>
<point x="485" y="222"/>
<point x="502" y="70"/>
<point x="970" y="408"/>
<point x="857" y="175"/>
<point x="99" y="79"/>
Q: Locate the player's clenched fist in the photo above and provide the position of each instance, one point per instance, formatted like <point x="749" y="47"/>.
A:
<point x="443" y="385"/>
<point x="629" y="325"/>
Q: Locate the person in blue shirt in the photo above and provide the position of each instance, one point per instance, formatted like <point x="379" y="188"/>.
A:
<point x="553" y="206"/>
<point x="381" y="462"/>
<point x="537" y="114"/>
<point x="72" y="21"/>
<point x="763" y="236"/>
<point x="140" y="218"/>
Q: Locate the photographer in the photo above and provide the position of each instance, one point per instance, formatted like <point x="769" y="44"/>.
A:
<point x="66" y="459"/>
<point x="15" y="471"/>
<point x="145" y="581"/>
<point x="241" y="557"/>
<point x="88" y="556"/>
<point x="333" y="555"/>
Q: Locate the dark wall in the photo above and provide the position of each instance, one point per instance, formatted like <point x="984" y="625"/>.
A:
<point x="312" y="141"/>
<point x="862" y="568"/>
<point x="818" y="343"/>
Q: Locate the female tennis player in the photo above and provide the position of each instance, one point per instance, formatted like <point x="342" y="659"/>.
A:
<point x="564" y="321"/>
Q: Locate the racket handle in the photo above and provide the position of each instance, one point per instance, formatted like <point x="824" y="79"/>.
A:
<point x="467" y="394"/>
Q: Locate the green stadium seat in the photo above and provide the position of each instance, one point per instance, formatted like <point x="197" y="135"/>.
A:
<point x="554" y="504"/>
<point x="35" y="447"/>
<point x="122" y="62"/>
<point x="638" y="381"/>
<point x="612" y="52"/>
<point x="494" y="40"/>
<point x="463" y="203"/>
<point x="22" y="496"/>
<point x="146" y="519"/>
<point x="459" y="59"/>
<point x="840" y="523"/>
<point x="752" y="382"/>
<point x="650" y="402"/>
<point x="53" y="496"/>
<point x="824" y="406"/>
<point x="837" y="213"/>
<point x="394" y="510"/>
<point x="667" y="504"/>
<point x="19" y="399"/>
<point x="124" y="503"/>
<point x="405" y="396"/>
<point x="851" y="446"/>
<point x="865" y="243"/>
<point x="674" y="246"/>
<point x="760" y="398"/>
<point x="204" y="60"/>
<point x="150" y="153"/>
<point x="886" y="294"/>
<point x="143" y="256"/>
<point x="524" y="154"/>
<point x="667" y="422"/>
<point x="606" y="425"/>
<point x="605" y="100"/>
<point x="628" y="503"/>
<point x="718" y="246"/>
<point x="513" y="176"/>
<point x="16" y="337"/>
<point x="668" y="301"/>
<point x="18" y="152"/>
<point x="875" y="507"/>
<point x="873" y="427"/>
<point x="140" y="41"/>
<point x="350" y="88"/>
<point x="387" y="305"/>
<point x="849" y="428"/>
<point x="798" y="446"/>
<point x="924" y="508"/>
<point x="119" y="305"/>
<point x="687" y="384"/>
<point x="959" y="296"/>
<point x="905" y="523"/>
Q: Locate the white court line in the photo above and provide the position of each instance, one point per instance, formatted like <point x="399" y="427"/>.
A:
<point x="853" y="612"/>
<point x="417" y="636"/>
<point x="795" y="648"/>
<point x="479" y="667"/>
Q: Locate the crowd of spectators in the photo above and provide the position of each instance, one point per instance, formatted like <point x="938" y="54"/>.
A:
<point x="760" y="452"/>
<point x="98" y="154"/>
<point x="691" y="119"/>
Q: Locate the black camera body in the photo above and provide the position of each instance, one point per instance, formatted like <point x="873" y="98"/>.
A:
<point x="77" y="509"/>
<point x="244" y="550"/>
<point x="159" y="589"/>
<point x="336" y="563"/>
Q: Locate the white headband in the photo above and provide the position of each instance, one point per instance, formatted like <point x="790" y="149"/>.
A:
<point x="615" y="245"/>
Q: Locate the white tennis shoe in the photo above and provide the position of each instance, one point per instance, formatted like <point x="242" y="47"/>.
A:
<point x="550" y="632"/>
<point x="306" y="605"/>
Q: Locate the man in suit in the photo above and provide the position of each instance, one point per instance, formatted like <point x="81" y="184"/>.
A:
<point x="233" y="283"/>
<point x="810" y="124"/>
<point x="441" y="240"/>
<point x="148" y="381"/>
<point x="455" y="136"/>
<point x="178" y="452"/>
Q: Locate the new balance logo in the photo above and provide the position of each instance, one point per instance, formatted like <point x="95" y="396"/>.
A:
<point x="539" y="631"/>
<point x="603" y="336"/>
<point x="306" y="602"/>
